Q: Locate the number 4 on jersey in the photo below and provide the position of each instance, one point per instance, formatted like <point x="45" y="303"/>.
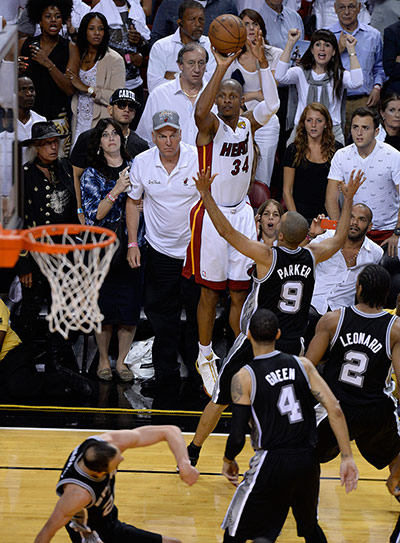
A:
<point x="289" y="405"/>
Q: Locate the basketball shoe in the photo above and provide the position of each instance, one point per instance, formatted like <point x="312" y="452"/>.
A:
<point x="208" y="371"/>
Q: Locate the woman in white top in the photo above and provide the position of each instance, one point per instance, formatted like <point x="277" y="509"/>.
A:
<point x="101" y="72"/>
<point x="320" y="76"/>
<point x="245" y="70"/>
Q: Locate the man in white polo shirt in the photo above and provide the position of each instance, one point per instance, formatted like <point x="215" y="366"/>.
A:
<point x="164" y="52"/>
<point x="164" y="176"/>
<point x="380" y="163"/>
<point x="183" y="92"/>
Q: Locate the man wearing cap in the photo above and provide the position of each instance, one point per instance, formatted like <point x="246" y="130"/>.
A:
<point x="164" y="175"/>
<point x="183" y="92"/>
<point x="49" y="198"/>
<point x="122" y="108"/>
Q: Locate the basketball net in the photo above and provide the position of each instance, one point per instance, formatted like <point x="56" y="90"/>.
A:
<point x="75" y="274"/>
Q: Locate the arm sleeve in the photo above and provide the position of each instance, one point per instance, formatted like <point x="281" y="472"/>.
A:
<point x="91" y="184"/>
<point x="239" y="427"/>
<point x="115" y="81"/>
<point x="352" y="79"/>
<point x="379" y="73"/>
<point x="335" y="171"/>
<point x="286" y="75"/>
<point x="156" y="67"/>
<point x="271" y="102"/>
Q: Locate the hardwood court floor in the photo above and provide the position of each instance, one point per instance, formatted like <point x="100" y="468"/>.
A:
<point x="149" y="493"/>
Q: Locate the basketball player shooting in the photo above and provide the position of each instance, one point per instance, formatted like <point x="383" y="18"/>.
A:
<point x="225" y="144"/>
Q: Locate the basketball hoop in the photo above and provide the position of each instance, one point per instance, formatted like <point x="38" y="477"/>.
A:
<point x="75" y="259"/>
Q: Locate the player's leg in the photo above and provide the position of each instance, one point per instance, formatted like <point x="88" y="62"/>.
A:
<point x="238" y="298"/>
<point x="395" y="537"/>
<point x="207" y="423"/>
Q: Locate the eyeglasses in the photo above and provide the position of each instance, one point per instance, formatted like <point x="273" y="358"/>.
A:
<point x="123" y="105"/>
<point x="351" y="7"/>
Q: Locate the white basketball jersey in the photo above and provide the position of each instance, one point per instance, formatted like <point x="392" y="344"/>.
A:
<point x="230" y="154"/>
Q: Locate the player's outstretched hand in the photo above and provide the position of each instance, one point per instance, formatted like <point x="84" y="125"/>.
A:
<point x="204" y="180"/>
<point x="224" y="60"/>
<point x="348" y="474"/>
<point x="231" y="471"/>
<point x="355" y="182"/>
<point x="188" y="473"/>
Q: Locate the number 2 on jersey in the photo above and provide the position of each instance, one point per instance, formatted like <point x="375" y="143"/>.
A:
<point x="353" y="369"/>
<point x="289" y="405"/>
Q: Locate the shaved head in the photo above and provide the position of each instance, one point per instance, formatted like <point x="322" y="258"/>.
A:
<point x="294" y="228"/>
<point x="232" y="84"/>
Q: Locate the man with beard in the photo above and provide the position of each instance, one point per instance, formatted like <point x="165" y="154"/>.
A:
<point x="335" y="278"/>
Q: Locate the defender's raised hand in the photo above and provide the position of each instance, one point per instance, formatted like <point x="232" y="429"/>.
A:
<point x="203" y="180"/>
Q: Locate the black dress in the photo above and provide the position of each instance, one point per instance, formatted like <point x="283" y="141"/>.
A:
<point x="310" y="182"/>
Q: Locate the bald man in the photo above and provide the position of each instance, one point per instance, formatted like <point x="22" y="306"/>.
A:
<point x="225" y="144"/>
<point x="283" y="282"/>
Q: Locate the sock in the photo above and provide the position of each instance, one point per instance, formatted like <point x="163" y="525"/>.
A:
<point x="205" y="350"/>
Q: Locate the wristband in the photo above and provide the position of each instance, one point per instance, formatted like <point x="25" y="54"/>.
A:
<point x="111" y="197"/>
<point x="133" y="244"/>
<point x="79" y="210"/>
<point x="127" y="58"/>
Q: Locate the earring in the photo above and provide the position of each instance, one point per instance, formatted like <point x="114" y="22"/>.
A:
<point x="99" y="150"/>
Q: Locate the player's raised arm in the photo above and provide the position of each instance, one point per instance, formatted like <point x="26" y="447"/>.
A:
<point x="206" y="121"/>
<point x="265" y="109"/>
<point x="324" y="250"/>
<point x="149" y="435"/>
<point x="324" y="332"/>
<point x="256" y="250"/>
<point x="322" y="393"/>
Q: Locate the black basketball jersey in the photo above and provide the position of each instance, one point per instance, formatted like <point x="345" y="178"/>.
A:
<point x="282" y="405"/>
<point x="286" y="290"/>
<point x="100" y="490"/>
<point x="359" y="364"/>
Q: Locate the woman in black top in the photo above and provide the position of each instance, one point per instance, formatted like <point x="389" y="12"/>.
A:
<point x="45" y="59"/>
<point x="307" y="162"/>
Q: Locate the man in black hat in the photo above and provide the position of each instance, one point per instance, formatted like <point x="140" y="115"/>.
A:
<point x="122" y="108"/>
<point x="49" y="198"/>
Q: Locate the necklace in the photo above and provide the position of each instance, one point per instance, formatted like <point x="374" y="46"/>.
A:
<point x="190" y="95"/>
<point x="350" y="260"/>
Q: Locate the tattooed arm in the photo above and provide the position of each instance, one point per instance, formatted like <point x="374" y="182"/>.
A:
<point x="240" y="391"/>
<point x="324" y="395"/>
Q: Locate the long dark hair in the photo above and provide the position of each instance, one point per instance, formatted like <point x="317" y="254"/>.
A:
<point x="335" y="67"/>
<point x="328" y="148"/>
<point x="81" y="40"/>
<point x="35" y="9"/>
<point x="96" y="158"/>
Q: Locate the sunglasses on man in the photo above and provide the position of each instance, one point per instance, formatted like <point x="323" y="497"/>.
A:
<point x="123" y="104"/>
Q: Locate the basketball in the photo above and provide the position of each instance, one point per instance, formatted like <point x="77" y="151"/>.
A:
<point x="227" y="34"/>
<point x="259" y="192"/>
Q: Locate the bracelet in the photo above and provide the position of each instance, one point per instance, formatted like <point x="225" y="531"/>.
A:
<point x="352" y="54"/>
<point x="309" y="238"/>
<point x="225" y="459"/>
<point x="51" y="67"/>
<point x="133" y="244"/>
<point x="377" y="86"/>
<point x="111" y="198"/>
<point x="79" y="210"/>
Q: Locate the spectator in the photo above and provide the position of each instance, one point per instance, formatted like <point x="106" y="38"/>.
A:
<point x="183" y="92"/>
<point x="391" y="57"/>
<point x="268" y="220"/>
<point x="49" y="198"/>
<point x="164" y="53"/>
<point x="104" y="185"/>
<point x="369" y="48"/>
<point x="320" y="77"/>
<point x="26" y="116"/>
<point x="101" y="72"/>
<point x="166" y="20"/>
<point x="122" y="108"/>
<point x="335" y="279"/>
<point x="326" y="16"/>
<point x="164" y="174"/>
<point x="244" y="70"/>
<point x="307" y="161"/>
<point x="278" y="21"/>
<point x="47" y="57"/>
<point x="389" y="130"/>
<point x="380" y="163"/>
<point x="384" y="13"/>
<point x="19" y="380"/>
<point x="129" y="36"/>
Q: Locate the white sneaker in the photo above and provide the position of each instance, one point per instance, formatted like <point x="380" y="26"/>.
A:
<point x="208" y="371"/>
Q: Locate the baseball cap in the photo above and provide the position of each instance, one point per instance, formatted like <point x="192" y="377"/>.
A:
<point x="166" y="117"/>
<point x="124" y="94"/>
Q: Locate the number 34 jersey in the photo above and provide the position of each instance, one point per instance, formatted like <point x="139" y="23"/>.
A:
<point x="230" y="155"/>
<point x="360" y="361"/>
<point x="286" y="290"/>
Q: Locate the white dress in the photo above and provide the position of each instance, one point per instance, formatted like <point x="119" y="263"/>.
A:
<point x="84" y="112"/>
